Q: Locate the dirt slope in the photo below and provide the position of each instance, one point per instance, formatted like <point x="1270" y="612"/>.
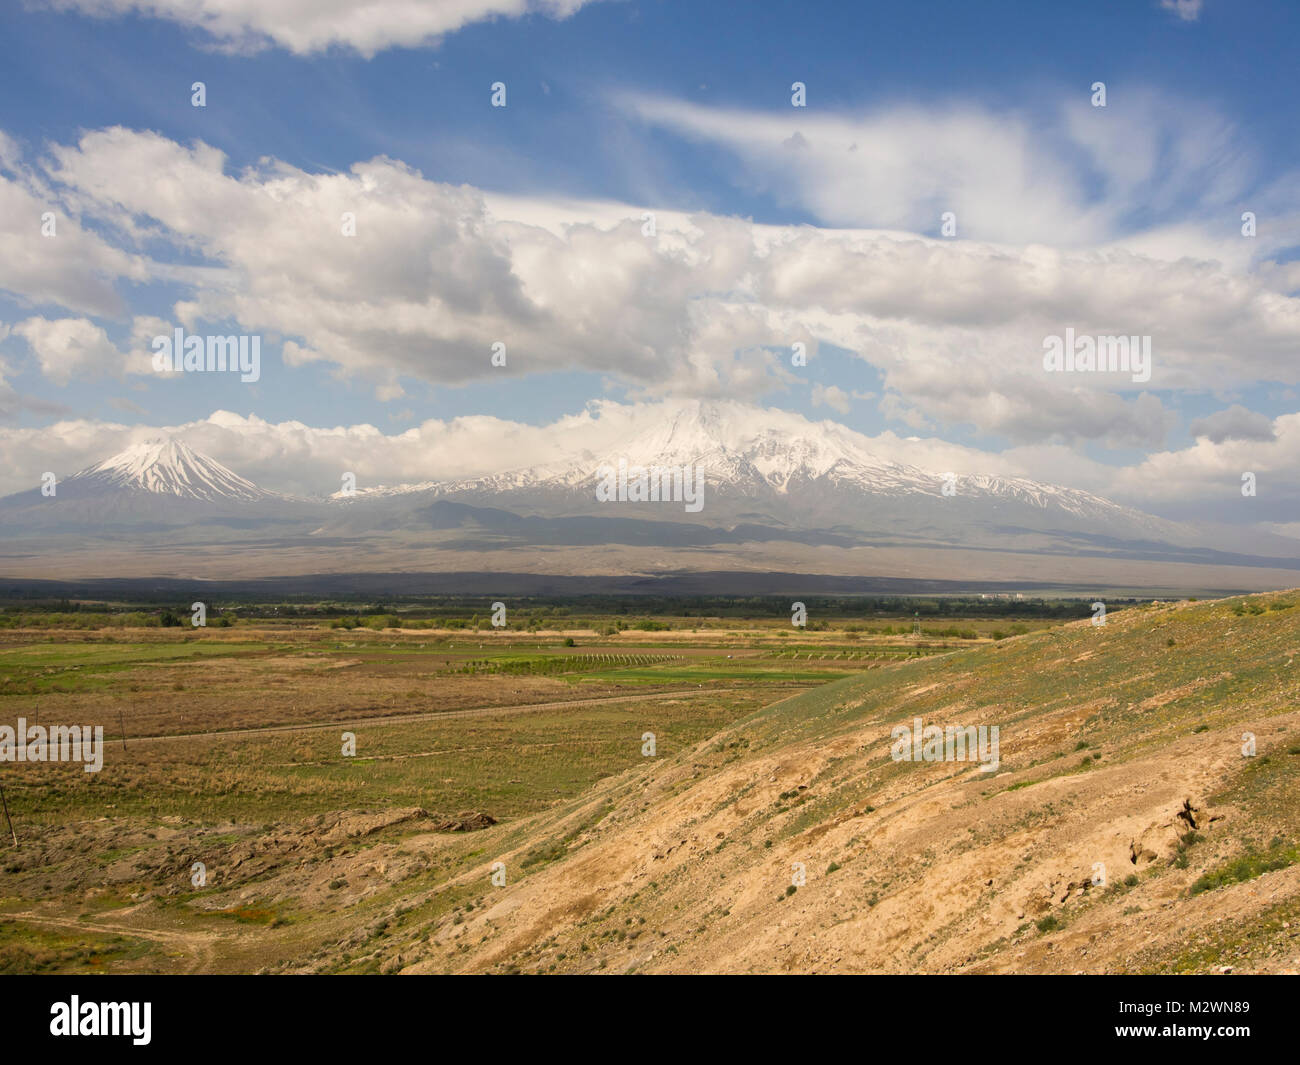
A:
<point x="1120" y="746"/>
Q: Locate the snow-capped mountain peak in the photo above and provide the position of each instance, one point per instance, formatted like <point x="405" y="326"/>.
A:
<point x="774" y="461"/>
<point x="170" y="467"/>
<point x="738" y="445"/>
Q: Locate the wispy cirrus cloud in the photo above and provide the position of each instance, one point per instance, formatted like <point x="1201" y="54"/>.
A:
<point x="1059" y="172"/>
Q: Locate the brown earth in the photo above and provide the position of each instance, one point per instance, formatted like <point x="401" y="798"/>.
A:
<point x="942" y="868"/>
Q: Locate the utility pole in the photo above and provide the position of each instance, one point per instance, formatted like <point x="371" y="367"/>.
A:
<point x="5" y="803"/>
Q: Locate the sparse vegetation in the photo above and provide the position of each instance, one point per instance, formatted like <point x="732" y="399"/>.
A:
<point x="1247" y="867"/>
<point x="769" y="743"/>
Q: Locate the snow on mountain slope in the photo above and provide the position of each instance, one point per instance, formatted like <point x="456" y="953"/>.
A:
<point x="741" y="447"/>
<point x="762" y="467"/>
<point x="770" y="455"/>
<point x="167" y="466"/>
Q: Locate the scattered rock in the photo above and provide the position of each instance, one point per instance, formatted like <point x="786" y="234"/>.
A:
<point x="1138" y="853"/>
<point x="467" y="821"/>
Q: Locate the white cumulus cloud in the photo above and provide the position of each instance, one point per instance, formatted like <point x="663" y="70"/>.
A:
<point x="306" y="26"/>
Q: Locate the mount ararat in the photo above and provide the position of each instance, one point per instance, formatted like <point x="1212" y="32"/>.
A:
<point x="781" y="492"/>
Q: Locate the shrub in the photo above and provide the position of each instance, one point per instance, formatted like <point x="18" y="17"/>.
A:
<point x="1247" y="867"/>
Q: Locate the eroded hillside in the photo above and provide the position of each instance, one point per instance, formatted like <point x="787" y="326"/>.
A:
<point x="1119" y="744"/>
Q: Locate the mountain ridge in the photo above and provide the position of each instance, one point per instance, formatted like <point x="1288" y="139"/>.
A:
<point x="764" y="459"/>
<point x="738" y="456"/>
<point x="781" y="492"/>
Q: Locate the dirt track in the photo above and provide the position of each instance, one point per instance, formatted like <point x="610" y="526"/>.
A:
<point x="477" y="711"/>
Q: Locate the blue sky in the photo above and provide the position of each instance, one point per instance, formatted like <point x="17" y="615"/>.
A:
<point x="685" y="108"/>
